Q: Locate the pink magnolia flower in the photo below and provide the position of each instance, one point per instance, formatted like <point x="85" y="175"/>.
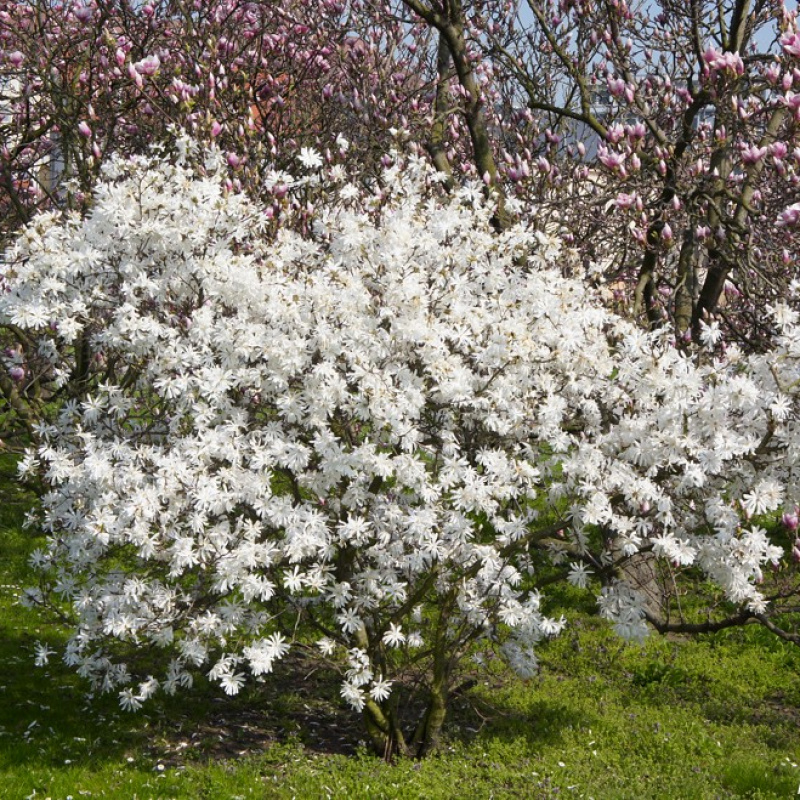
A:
<point x="84" y="13"/>
<point x="625" y="201"/>
<point x="779" y="150"/>
<point x="611" y="160"/>
<point x="792" y="102"/>
<point x="731" y="290"/>
<point x="148" y="66"/>
<point x="636" y="132"/>
<point x="133" y="73"/>
<point x="791" y="44"/>
<point x="723" y="62"/>
<point x="615" y="134"/>
<point x="789" y="216"/>
<point x="84" y="129"/>
<point x="616" y="86"/>
<point x="774" y="73"/>
<point x="752" y="154"/>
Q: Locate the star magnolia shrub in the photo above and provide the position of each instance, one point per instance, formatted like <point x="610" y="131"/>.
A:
<point x="359" y="438"/>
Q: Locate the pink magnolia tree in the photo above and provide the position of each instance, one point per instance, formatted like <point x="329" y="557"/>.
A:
<point x="686" y="202"/>
<point x="80" y="81"/>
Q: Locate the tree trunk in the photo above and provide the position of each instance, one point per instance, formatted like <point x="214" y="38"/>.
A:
<point x="450" y="23"/>
<point x="436" y="145"/>
<point x="429" y="731"/>
<point x="384" y="731"/>
<point x="684" y="295"/>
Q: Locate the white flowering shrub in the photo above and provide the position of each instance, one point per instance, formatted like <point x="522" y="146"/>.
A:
<point x="365" y="438"/>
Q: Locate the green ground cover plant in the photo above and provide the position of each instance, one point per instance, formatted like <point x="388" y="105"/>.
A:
<point x="711" y="717"/>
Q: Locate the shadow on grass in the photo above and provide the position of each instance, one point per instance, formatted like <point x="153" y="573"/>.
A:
<point x="45" y="716"/>
<point x="285" y="708"/>
<point x="507" y="711"/>
<point x="47" y="719"/>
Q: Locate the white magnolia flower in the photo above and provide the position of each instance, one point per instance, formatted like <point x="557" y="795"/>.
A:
<point x="765" y="496"/>
<point x="310" y="158"/>
<point x="380" y="689"/>
<point x="43" y="653"/>
<point x="579" y="575"/>
<point x="327" y="646"/>
<point x="232" y="682"/>
<point x="129" y="701"/>
<point x="353" y="696"/>
<point x="394" y="636"/>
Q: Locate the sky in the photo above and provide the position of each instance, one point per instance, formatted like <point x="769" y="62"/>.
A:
<point x="762" y="39"/>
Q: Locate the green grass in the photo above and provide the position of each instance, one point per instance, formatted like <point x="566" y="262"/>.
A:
<point x="714" y="717"/>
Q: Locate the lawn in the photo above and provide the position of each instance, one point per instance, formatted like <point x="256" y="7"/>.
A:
<point x="713" y="717"/>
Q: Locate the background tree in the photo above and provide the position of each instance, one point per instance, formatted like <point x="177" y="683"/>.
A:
<point x="685" y="201"/>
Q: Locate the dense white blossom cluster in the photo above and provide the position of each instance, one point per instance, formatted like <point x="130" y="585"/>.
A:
<point x="365" y="426"/>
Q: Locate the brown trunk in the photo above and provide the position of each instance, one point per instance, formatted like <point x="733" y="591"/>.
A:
<point x="683" y="291"/>
<point x="450" y="23"/>
<point x="436" y="146"/>
<point x="384" y="732"/>
<point x="429" y="731"/>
